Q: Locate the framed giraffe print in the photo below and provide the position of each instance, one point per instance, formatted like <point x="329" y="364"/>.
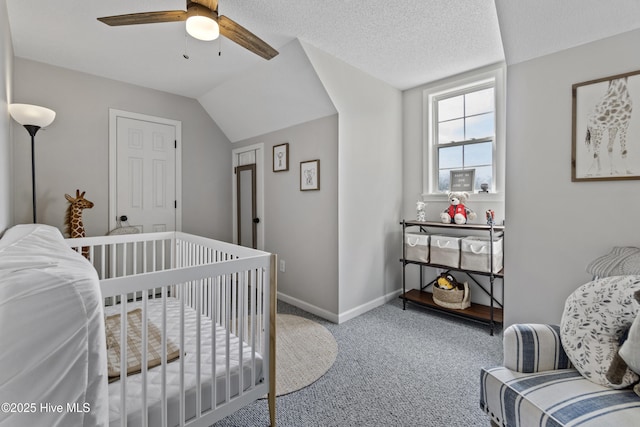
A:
<point x="605" y="143"/>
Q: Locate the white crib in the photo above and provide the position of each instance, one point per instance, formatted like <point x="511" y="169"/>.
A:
<point x="208" y="298"/>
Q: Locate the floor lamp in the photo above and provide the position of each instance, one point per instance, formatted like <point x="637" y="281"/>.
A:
<point x="32" y="117"/>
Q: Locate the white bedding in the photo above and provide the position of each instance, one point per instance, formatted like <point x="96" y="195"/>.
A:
<point x="52" y="340"/>
<point x="173" y="368"/>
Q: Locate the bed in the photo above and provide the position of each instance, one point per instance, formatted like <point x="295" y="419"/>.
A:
<point x="203" y="309"/>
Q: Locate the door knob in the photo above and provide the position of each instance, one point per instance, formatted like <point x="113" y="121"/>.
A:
<point x="256" y="220"/>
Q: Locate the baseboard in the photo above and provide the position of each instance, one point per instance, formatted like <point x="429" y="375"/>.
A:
<point x="357" y="311"/>
<point x="342" y="317"/>
<point x="320" y="312"/>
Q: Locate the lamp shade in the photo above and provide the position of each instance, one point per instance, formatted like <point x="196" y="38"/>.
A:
<point x="202" y="23"/>
<point x="34" y="115"/>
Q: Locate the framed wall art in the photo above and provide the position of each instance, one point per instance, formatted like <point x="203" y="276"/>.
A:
<point x="310" y="175"/>
<point x="605" y="143"/>
<point x="281" y="157"/>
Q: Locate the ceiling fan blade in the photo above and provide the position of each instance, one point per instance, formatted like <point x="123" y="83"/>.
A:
<point x="210" y="4"/>
<point x="245" y="38"/>
<point x="145" y="18"/>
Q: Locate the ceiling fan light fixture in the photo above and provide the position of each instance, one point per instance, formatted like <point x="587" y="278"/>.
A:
<point x="202" y="23"/>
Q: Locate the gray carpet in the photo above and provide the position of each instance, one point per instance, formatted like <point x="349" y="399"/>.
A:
<point x="394" y="368"/>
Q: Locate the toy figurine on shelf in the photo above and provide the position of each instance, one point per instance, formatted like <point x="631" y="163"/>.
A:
<point x="420" y="210"/>
<point x="490" y="217"/>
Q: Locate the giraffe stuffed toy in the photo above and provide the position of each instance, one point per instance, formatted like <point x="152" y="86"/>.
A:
<point x="611" y="114"/>
<point x="73" y="219"/>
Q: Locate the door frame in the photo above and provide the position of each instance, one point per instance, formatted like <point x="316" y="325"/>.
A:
<point x="259" y="175"/>
<point x="254" y="208"/>
<point x="113" y="144"/>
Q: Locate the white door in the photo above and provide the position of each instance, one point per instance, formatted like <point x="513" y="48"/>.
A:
<point x="146" y="173"/>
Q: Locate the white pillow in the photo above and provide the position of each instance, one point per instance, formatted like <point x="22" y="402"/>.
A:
<point x="595" y="316"/>
<point x="630" y="350"/>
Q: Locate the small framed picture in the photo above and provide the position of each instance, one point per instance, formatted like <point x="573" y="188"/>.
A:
<point x="281" y="157"/>
<point x="310" y="175"/>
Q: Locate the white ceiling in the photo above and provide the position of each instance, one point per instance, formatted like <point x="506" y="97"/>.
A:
<point x="404" y="42"/>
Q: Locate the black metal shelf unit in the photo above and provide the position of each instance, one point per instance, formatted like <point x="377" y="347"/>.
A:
<point x="480" y="313"/>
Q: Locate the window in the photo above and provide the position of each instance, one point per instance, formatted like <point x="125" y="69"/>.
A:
<point x="463" y="132"/>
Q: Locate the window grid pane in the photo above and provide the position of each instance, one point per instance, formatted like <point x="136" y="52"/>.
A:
<point x="460" y="121"/>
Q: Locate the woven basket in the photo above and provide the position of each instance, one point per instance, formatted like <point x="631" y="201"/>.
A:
<point x="458" y="299"/>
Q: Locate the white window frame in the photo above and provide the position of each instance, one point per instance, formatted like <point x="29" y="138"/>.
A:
<point x="467" y="82"/>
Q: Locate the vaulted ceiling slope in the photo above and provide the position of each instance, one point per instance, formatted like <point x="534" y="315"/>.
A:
<point x="534" y="28"/>
<point x="273" y="95"/>
<point x="404" y="43"/>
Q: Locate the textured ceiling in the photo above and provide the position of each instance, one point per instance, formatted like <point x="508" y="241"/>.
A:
<point x="405" y="42"/>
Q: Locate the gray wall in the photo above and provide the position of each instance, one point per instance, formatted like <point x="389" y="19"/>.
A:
<point x="6" y="66"/>
<point x="555" y="226"/>
<point x="302" y="226"/>
<point x="72" y="153"/>
<point x="369" y="183"/>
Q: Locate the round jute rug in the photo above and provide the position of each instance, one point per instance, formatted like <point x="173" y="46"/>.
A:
<point x="305" y="350"/>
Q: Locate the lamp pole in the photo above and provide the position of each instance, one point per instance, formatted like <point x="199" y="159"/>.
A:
<point x="33" y="129"/>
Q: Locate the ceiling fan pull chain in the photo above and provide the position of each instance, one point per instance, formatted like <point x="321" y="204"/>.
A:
<point x="185" y="55"/>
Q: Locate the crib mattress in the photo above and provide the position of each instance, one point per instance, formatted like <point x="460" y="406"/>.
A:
<point x="134" y="387"/>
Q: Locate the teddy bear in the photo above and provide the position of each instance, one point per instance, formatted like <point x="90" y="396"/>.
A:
<point x="628" y="355"/>
<point x="457" y="212"/>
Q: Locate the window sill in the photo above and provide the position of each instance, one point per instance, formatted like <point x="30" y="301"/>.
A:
<point x="475" y="197"/>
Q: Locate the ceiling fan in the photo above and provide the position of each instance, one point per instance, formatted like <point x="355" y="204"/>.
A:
<point x="202" y="22"/>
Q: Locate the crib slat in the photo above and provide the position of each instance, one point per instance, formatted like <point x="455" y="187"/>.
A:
<point x="182" y="409"/>
<point x="239" y="295"/>
<point x="144" y="257"/>
<point x="102" y="263"/>
<point x="123" y="361"/>
<point x="198" y="351"/>
<point x="227" y="395"/>
<point x="214" y="351"/>
<point x="163" y="353"/>
<point x="145" y="362"/>
<point x="253" y="295"/>
<point x="113" y="260"/>
<point x="154" y="255"/>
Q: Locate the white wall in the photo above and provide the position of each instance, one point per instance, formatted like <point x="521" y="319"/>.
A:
<point x="72" y="153"/>
<point x="6" y="83"/>
<point x="302" y="226"/>
<point x="369" y="182"/>
<point x="555" y="226"/>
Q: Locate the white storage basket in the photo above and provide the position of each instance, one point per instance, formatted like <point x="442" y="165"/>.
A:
<point x="476" y="254"/>
<point x="445" y="250"/>
<point x="416" y="247"/>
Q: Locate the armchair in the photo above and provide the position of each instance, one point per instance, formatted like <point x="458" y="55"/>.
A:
<point x="537" y="386"/>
